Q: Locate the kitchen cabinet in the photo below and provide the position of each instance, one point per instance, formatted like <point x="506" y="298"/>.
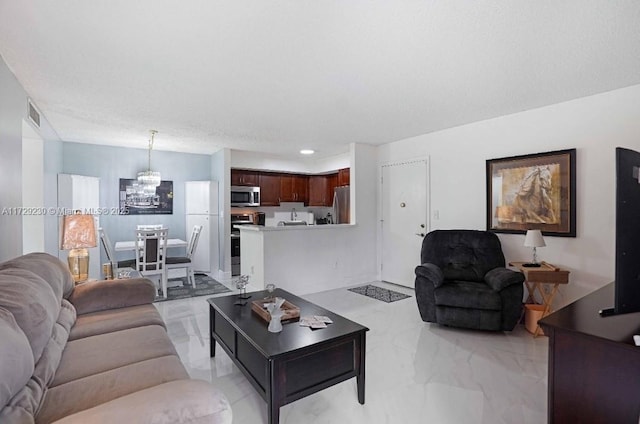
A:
<point x="344" y="176"/>
<point x="269" y="189"/>
<point x="332" y="183"/>
<point x="312" y="190"/>
<point x="321" y="189"/>
<point x="243" y="177"/>
<point x="318" y="190"/>
<point x="294" y="188"/>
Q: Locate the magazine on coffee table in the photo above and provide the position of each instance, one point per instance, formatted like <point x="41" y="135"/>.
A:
<point x="315" y="321"/>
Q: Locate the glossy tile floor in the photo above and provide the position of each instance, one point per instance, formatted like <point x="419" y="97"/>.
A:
<point x="415" y="371"/>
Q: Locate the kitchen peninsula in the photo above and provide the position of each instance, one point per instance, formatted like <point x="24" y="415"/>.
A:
<point x="301" y="259"/>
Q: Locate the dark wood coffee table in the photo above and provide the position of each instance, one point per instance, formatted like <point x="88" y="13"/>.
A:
<point x="287" y="366"/>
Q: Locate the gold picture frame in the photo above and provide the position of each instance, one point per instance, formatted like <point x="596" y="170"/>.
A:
<point x="536" y="191"/>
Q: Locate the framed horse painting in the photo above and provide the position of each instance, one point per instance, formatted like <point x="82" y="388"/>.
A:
<point x="533" y="192"/>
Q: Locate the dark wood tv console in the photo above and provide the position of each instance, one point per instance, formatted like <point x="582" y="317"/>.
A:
<point x="594" y="365"/>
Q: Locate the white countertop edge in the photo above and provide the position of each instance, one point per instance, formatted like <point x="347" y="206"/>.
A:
<point x="259" y="228"/>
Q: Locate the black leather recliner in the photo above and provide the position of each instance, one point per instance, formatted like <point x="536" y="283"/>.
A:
<point x="463" y="282"/>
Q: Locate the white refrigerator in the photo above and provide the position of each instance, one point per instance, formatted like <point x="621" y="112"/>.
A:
<point x="201" y="208"/>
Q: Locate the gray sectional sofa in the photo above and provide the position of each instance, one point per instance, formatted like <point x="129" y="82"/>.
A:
<point x="93" y="353"/>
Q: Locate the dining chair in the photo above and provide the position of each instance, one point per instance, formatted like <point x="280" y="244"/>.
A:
<point x="151" y="246"/>
<point x="106" y="244"/>
<point x="177" y="262"/>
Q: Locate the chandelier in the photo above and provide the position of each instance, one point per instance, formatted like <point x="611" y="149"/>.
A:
<point x="148" y="180"/>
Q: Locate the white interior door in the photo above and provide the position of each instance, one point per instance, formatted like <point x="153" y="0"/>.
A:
<point x="404" y="221"/>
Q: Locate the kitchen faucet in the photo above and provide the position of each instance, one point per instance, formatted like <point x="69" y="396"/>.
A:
<point x="294" y="215"/>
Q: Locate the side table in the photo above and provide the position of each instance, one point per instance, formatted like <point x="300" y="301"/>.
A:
<point x="534" y="278"/>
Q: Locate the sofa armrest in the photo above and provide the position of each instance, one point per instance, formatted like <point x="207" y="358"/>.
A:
<point x="432" y="273"/>
<point x="179" y="401"/>
<point x="94" y="296"/>
<point x="501" y="278"/>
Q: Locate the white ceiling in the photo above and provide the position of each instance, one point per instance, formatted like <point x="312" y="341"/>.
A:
<point x="275" y="76"/>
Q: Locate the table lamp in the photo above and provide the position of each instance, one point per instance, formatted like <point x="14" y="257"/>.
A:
<point x="534" y="239"/>
<point x="78" y="234"/>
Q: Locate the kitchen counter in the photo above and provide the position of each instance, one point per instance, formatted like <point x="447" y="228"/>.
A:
<point x="302" y="258"/>
<point x="255" y="228"/>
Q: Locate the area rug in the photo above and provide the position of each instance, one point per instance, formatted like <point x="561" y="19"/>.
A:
<point x="379" y="293"/>
<point x="205" y="285"/>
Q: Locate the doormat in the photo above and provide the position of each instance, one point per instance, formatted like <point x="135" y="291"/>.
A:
<point x="379" y="293"/>
<point x="205" y="285"/>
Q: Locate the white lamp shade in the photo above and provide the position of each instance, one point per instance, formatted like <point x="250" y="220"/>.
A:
<point x="534" y="239"/>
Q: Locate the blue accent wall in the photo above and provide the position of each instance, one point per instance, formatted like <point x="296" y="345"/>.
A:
<point x="112" y="163"/>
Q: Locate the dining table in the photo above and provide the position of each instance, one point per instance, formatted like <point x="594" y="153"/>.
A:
<point x="130" y="245"/>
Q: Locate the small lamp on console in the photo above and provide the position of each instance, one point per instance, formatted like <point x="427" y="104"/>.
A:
<point x="78" y="234"/>
<point x="534" y="239"/>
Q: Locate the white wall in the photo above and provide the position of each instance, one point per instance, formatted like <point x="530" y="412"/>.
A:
<point x="303" y="164"/>
<point x="220" y="171"/>
<point x="305" y="261"/>
<point x="13" y="104"/>
<point x="594" y="125"/>
<point x="32" y="190"/>
<point x="13" y="112"/>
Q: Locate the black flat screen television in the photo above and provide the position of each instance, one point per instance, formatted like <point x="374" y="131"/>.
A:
<point x="627" y="274"/>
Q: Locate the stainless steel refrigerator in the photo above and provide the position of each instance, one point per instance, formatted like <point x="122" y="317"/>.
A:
<point x="341" y="213"/>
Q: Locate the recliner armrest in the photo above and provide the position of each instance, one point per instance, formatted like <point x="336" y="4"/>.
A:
<point x="95" y="296"/>
<point x="432" y="273"/>
<point x="501" y="278"/>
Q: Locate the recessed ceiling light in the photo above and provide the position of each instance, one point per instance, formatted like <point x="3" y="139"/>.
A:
<point x="306" y="152"/>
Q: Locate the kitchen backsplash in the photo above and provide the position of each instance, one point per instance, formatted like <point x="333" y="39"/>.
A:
<point x="275" y="214"/>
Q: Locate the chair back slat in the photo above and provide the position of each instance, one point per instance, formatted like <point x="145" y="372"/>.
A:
<point x="106" y="244"/>
<point x="193" y="241"/>
<point x="151" y="246"/>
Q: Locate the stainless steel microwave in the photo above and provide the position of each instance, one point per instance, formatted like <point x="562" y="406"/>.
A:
<point x="245" y="196"/>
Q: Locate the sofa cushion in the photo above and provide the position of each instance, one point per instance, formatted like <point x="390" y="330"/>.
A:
<point x="467" y="294"/>
<point x="16" y="365"/>
<point x="476" y="319"/>
<point x="115" y="320"/>
<point x="49" y="268"/>
<point x="23" y="406"/>
<point x="47" y="366"/>
<point x="85" y="393"/>
<point x="33" y="304"/>
<point x="96" y="354"/>
<point x="97" y="296"/>
<point x="180" y="401"/>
